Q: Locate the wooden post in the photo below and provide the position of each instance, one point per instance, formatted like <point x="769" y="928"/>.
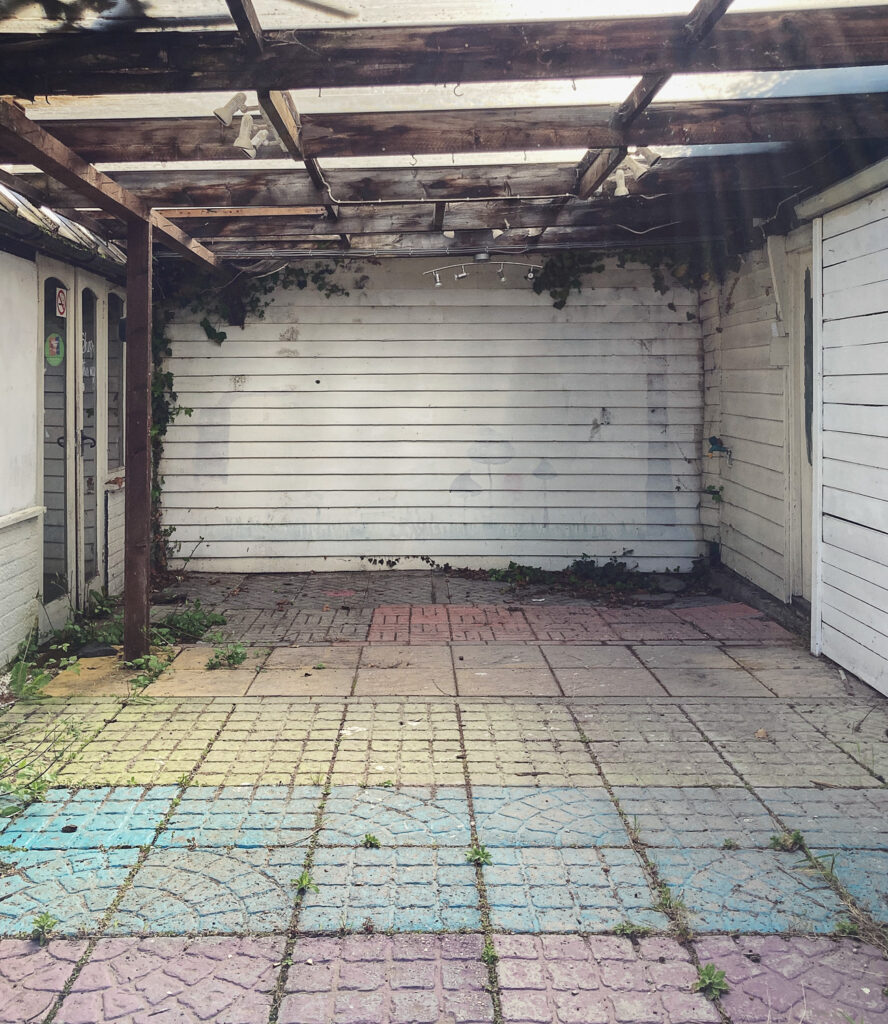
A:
<point x="137" y="561"/>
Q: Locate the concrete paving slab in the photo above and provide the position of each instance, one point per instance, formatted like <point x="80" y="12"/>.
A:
<point x="516" y="721"/>
<point x="608" y="682"/>
<point x="202" y="683"/>
<point x="242" y="816"/>
<point x="387" y="979"/>
<point x="710" y="682"/>
<point x="530" y="763"/>
<point x="398" y="762"/>
<point x="547" y="817"/>
<point x="474" y="656"/>
<point x="797" y="683"/>
<point x="90" y="818"/>
<point x="130" y="981"/>
<point x="249" y="762"/>
<point x="776" y="980"/>
<point x="303" y="659"/>
<point x="684" y="657"/>
<point x="265" y="719"/>
<point x="195" y="658"/>
<point x="749" y="890"/>
<point x="549" y="979"/>
<point x="506" y="682"/>
<point x="199" y="891"/>
<point x="398" y="682"/>
<point x="568" y="890"/>
<point x="76" y="887"/>
<point x="405" y="889"/>
<point x="864" y="873"/>
<point x="406" y="657"/>
<point x="857" y="727"/>
<point x="92" y="677"/>
<point x="696" y="816"/>
<point x="410" y="816"/>
<point x="847" y="819"/>
<point x="329" y="682"/>
<point x="589" y="656"/>
<point x="32" y="976"/>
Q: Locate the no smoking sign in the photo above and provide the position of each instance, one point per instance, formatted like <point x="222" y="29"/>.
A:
<point x="61" y="302"/>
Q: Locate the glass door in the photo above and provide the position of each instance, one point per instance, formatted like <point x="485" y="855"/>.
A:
<point x="86" y="445"/>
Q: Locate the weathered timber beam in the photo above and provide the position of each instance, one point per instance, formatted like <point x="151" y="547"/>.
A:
<point x="767" y="119"/>
<point x="85" y="63"/>
<point x="244" y="16"/>
<point x="33" y="145"/>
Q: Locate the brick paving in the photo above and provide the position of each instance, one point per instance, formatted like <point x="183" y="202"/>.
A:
<point x="595" y="753"/>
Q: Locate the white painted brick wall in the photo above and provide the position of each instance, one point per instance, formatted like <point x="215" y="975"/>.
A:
<point x="19" y="584"/>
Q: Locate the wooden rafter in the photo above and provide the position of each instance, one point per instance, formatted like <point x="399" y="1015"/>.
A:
<point x="83" y="63"/>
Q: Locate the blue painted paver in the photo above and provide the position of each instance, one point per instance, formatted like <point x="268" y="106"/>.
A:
<point x="749" y="890"/>
<point x="864" y="873"/>
<point x="76" y="887"/>
<point x="243" y="817"/>
<point x="181" y="892"/>
<point x="696" y="816"/>
<point x="546" y="816"/>
<point x="410" y="816"/>
<point x="407" y="890"/>
<point x="567" y="890"/>
<point x="841" y="818"/>
<point x="90" y="819"/>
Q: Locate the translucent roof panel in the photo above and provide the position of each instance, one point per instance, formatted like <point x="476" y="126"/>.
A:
<point x="751" y="84"/>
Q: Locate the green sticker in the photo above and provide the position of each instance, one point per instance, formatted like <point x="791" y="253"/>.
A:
<point x="54" y="349"/>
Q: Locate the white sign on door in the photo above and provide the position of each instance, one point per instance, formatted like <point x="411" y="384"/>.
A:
<point x="62" y="302"/>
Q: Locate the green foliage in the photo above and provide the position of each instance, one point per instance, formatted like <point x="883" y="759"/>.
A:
<point x="846" y="927"/>
<point x="711" y="982"/>
<point x="41" y="927"/>
<point x="730" y="844"/>
<point x="26" y="773"/>
<point x="229" y="656"/>
<point x="478" y="855"/>
<point x="304" y="883"/>
<point x="187" y="624"/>
<point x="370" y="841"/>
<point x="489" y="954"/>
<point x="631" y="931"/>
<point x="716" y="493"/>
<point x="563" y="272"/>
<point x="615" y="573"/>
<point x="147" y="668"/>
<point x="788" y="841"/>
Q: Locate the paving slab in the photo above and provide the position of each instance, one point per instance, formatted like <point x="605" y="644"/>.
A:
<point x="194" y="659"/>
<point x="405" y="657"/>
<point x="242" y="816"/>
<point x="864" y="873"/>
<point x="697" y="816"/>
<point x="231" y="682"/>
<point x="598" y="979"/>
<point x="842" y="818"/>
<point x="409" y="816"/>
<point x="568" y="890"/>
<point x="92" y="677"/>
<point x="749" y="890"/>
<point x="304" y="659"/>
<point x="506" y="682"/>
<point x="710" y="682"/>
<point x="734" y="621"/>
<point x="860" y="728"/>
<point x="75" y="886"/>
<point x="775" y="980"/>
<point x="90" y="818"/>
<point x="684" y="657"/>
<point x="530" y="763"/>
<point x="32" y="977"/>
<point x="404" y="889"/>
<point x="424" y="681"/>
<point x="331" y="682"/>
<point x="197" y="891"/>
<point x="136" y="980"/>
<point x="589" y="656"/>
<point x="387" y="979"/>
<point x="516" y="720"/>
<point x="547" y="817"/>
<point x="474" y="656"/>
<point x="608" y="682"/>
<point x="771" y="745"/>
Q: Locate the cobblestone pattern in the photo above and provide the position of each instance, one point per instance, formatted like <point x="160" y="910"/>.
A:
<point x="696" y="816"/>
<point x="790" y="980"/>
<point x="586" y="890"/>
<point x="380" y="979"/>
<point x="749" y="890"/>
<point x="734" y="622"/>
<point x="194" y="891"/>
<point x="546" y="817"/>
<point x="859" y="728"/>
<point x="864" y="873"/>
<point x="418" y="889"/>
<point x="551" y="979"/>
<point x="530" y="763"/>
<point x="242" y="816"/>
<point x="76" y="887"/>
<point x="131" y="981"/>
<point x="845" y="818"/>
<point x="32" y="977"/>
<point x="411" y="816"/>
<point x="90" y="818"/>
<point x="509" y="722"/>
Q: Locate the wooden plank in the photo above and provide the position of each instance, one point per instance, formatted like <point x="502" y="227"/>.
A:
<point x="857" y="658"/>
<point x="857" y="419"/>
<point x="138" y="440"/>
<point x="870" y="512"/>
<point x="85" y="62"/>
<point x="247" y="21"/>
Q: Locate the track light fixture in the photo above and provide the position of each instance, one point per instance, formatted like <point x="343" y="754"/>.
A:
<point x="481" y="259"/>
<point x="225" y="113"/>
<point x="621" y="190"/>
<point x="438" y="282"/>
<point x="245" y="133"/>
<point x="461" y="274"/>
<point x="502" y="273"/>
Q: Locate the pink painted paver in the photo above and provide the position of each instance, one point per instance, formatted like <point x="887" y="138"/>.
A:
<point x="551" y="979"/>
<point x="776" y="980"/>
<point x="383" y="979"/>
<point x="32" y="978"/>
<point x="176" y="981"/>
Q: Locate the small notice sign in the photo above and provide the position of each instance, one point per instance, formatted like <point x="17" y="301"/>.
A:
<point x="62" y="302"/>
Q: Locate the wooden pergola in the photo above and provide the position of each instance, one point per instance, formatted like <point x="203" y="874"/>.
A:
<point x="432" y="175"/>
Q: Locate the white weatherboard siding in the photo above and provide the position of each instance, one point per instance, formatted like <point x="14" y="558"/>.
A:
<point x="746" y="407"/>
<point x="471" y="423"/>
<point x="853" y="595"/>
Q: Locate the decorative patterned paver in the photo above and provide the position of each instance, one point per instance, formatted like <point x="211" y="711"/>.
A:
<point x="516" y="720"/>
<point x="589" y="656"/>
<point x="771" y="745"/>
<point x="243" y="817"/>
<point x="734" y="622"/>
<point x="130" y="981"/>
<point x="530" y="763"/>
<point x="696" y="816"/>
<point x="406" y="889"/>
<point x="549" y="817"/>
<point x="845" y="818"/>
<point x="32" y="977"/>
<point x="380" y="979"/>
<point x="608" y="682"/>
<point x="573" y="624"/>
<point x="90" y="818"/>
<point x="864" y="873"/>
<point x="486" y="656"/>
<point x="791" y="980"/>
<point x="859" y="728"/>
<point x="194" y="891"/>
<point x="568" y="890"/>
<point x="600" y="979"/>
<point x="76" y="887"/>
<point x="749" y="890"/>
<point x="410" y="816"/>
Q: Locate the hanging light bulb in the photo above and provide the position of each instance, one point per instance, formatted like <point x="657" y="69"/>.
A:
<point x="463" y="273"/>
<point x="243" y="142"/>
<point x="225" y="113"/>
<point x="502" y="273"/>
<point x="621" y="189"/>
<point x="529" y="276"/>
<point x="438" y="282"/>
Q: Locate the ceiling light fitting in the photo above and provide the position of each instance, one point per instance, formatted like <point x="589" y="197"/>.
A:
<point x="481" y="258"/>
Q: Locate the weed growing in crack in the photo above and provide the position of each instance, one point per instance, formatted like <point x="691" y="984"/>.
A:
<point x="489" y="955"/>
<point x="370" y="841"/>
<point x="710" y="982"/>
<point x="846" y="927"/>
<point x="631" y="931"/>
<point x="41" y="927"/>
<point x="478" y="855"/>
<point x="227" y="656"/>
<point x="304" y="884"/>
<point x="730" y="844"/>
<point x="788" y="841"/>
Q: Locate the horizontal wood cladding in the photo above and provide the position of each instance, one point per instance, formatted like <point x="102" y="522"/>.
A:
<point x="472" y="425"/>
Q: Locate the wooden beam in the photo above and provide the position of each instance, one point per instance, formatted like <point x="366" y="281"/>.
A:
<point x="244" y="16"/>
<point x="137" y="537"/>
<point x="33" y="145"/>
<point x="86" y="62"/>
<point x="438" y="218"/>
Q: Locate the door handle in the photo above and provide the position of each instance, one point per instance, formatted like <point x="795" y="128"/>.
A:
<point x="85" y="441"/>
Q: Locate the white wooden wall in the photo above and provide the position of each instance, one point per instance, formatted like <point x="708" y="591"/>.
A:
<point x="471" y="423"/>
<point x="745" y="389"/>
<point x="852" y="588"/>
